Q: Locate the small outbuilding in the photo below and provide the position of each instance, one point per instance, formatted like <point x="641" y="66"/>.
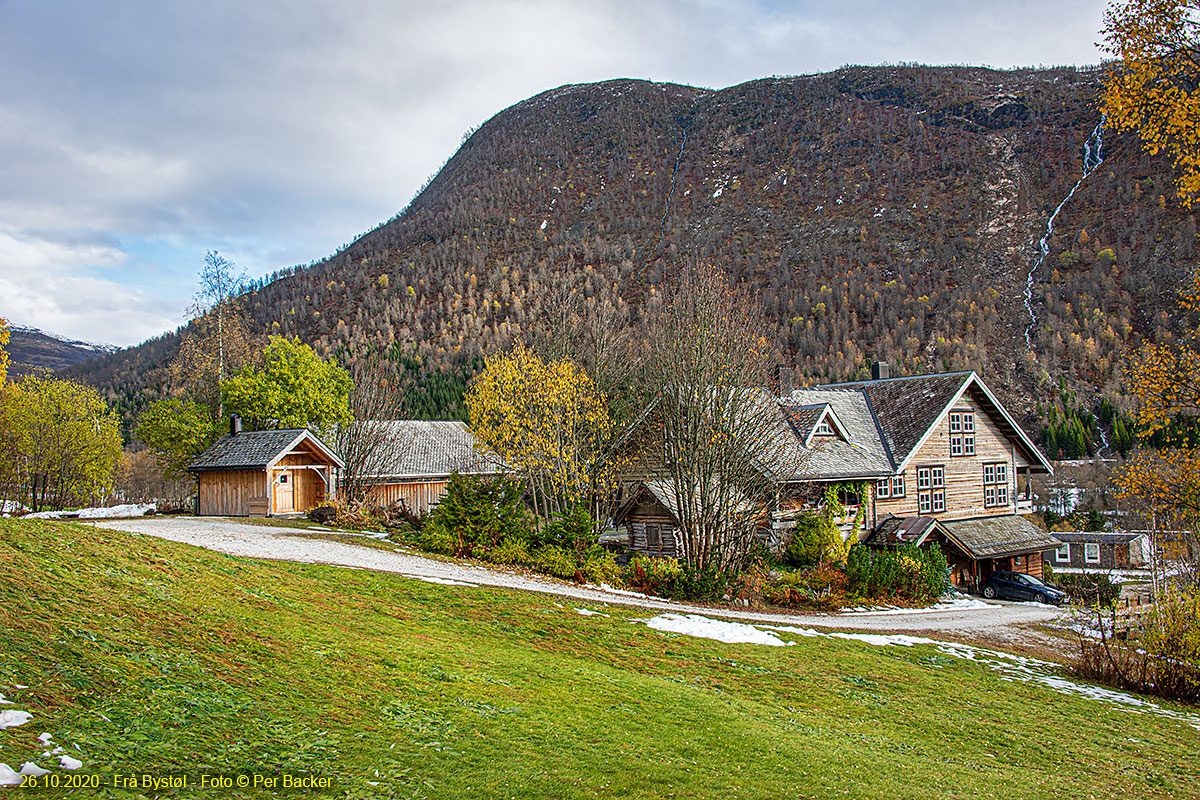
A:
<point x="263" y="473"/>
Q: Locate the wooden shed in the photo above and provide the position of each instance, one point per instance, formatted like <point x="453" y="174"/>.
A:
<point x="262" y="473"/>
<point x="415" y="465"/>
<point x="649" y="519"/>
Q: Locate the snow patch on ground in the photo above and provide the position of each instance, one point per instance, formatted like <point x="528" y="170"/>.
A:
<point x="8" y="777"/>
<point x="948" y="603"/>
<point x="705" y="628"/>
<point x="33" y="770"/>
<point x="12" y="719"/>
<point x="604" y="587"/>
<point x="587" y="612"/>
<point x="66" y="762"/>
<point x="111" y="512"/>
<point x="443" y="581"/>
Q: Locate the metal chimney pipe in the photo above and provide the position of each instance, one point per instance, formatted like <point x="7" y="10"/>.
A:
<point x="880" y="371"/>
<point x="235" y="424"/>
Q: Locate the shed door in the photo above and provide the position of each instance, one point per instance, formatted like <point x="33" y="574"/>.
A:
<point x="284" y="493"/>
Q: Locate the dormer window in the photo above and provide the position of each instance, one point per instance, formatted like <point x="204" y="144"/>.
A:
<point x="823" y="428"/>
<point x="962" y="433"/>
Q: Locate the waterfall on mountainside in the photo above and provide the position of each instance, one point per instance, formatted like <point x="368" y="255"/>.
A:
<point x="1093" y="156"/>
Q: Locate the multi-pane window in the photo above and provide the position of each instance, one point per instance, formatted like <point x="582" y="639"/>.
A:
<point x="962" y="433"/>
<point x="1091" y="553"/>
<point x="1063" y="553"/>
<point x="884" y="489"/>
<point x="995" y="485"/>
<point x="823" y="428"/>
<point x="898" y="485"/>
<point x="931" y="490"/>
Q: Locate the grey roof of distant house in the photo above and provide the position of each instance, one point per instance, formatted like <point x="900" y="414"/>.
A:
<point x="996" y="537"/>
<point x="252" y="449"/>
<point x="1105" y="537"/>
<point x="432" y="449"/>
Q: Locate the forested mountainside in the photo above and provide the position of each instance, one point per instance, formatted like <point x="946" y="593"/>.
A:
<point x="888" y="213"/>
<point x="30" y="349"/>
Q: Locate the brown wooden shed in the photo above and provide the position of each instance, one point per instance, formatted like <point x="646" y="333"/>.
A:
<point x="262" y="473"/>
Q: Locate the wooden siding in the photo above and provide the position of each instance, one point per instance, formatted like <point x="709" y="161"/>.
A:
<point x="419" y="497"/>
<point x="964" y="474"/>
<point x="227" y="493"/>
<point x="308" y="487"/>
<point x="636" y="523"/>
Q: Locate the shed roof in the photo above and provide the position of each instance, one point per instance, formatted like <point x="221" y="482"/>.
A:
<point x="897" y="531"/>
<point x="424" y="448"/>
<point x="256" y="449"/>
<point x="996" y="537"/>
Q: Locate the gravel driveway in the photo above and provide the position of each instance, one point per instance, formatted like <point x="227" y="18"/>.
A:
<point x="1002" y="621"/>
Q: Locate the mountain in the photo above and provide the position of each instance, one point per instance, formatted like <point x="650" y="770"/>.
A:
<point x="30" y="349"/>
<point x="888" y="213"/>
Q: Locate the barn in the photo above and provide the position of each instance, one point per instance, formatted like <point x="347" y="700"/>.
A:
<point x="415" y="468"/>
<point x="263" y="473"/>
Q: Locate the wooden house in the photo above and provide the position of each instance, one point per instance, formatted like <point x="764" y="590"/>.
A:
<point x="414" y="468"/>
<point x="263" y="473"/>
<point x="650" y="519"/>
<point x="1098" y="551"/>
<point x="921" y="459"/>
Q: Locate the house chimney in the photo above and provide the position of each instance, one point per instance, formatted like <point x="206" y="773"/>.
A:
<point x="880" y="371"/>
<point x="235" y="424"/>
<point x="787" y="380"/>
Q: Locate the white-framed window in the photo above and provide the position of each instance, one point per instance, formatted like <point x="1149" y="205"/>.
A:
<point x="883" y="489"/>
<point x="1091" y="553"/>
<point x="898" y="485"/>
<point x="1063" y="554"/>
<point x="995" y="485"/>
<point x="931" y="490"/>
<point x="962" y="433"/>
<point x="823" y="428"/>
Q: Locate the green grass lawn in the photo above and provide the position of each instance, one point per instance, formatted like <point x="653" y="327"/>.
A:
<point x="159" y="658"/>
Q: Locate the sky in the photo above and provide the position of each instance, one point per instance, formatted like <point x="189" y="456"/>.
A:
<point x="137" y="135"/>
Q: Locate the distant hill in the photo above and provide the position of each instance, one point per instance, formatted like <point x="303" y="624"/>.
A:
<point x="30" y="349"/>
<point x="879" y="213"/>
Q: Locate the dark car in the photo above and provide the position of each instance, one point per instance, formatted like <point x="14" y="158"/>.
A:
<point x="1018" y="586"/>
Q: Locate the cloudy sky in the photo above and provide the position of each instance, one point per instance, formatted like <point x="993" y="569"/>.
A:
<point x="136" y="135"/>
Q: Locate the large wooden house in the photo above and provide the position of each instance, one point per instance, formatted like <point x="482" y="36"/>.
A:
<point x="921" y="459"/>
<point x="263" y="473"/>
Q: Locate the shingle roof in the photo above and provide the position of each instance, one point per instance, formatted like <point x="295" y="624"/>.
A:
<point x="431" y="448"/>
<point x="896" y="531"/>
<point x="994" y="537"/>
<point x="863" y="456"/>
<point x="249" y="449"/>
<point x="908" y="407"/>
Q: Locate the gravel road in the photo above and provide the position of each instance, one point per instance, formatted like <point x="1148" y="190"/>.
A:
<point x="998" y="621"/>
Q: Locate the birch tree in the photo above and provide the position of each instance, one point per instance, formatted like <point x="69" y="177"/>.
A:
<point x="708" y="359"/>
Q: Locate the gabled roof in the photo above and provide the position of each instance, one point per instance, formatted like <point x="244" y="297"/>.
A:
<point x="422" y="449"/>
<point x="907" y="410"/>
<point x="806" y="419"/>
<point x="861" y="454"/>
<point x="256" y="450"/>
<point x="996" y="537"/>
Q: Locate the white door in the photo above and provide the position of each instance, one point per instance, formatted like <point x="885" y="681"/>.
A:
<point x="283" y="493"/>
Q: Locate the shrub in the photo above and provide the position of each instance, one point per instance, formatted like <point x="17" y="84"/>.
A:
<point x="822" y="586"/>
<point x="553" y="560"/>
<point x="600" y="567"/>
<point x="513" y="550"/>
<point x="654" y="576"/>
<point x="436" y="539"/>
<point x="573" y="530"/>
<point x="476" y="514"/>
<point x="906" y="573"/>
<point x="1091" y="589"/>
<point x="810" y="540"/>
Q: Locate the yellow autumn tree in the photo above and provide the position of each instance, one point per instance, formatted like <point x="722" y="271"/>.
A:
<point x="547" y="419"/>
<point x="1151" y="90"/>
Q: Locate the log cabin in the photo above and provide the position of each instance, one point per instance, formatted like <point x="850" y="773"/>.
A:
<point x="916" y="460"/>
<point x="264" y="473"/>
